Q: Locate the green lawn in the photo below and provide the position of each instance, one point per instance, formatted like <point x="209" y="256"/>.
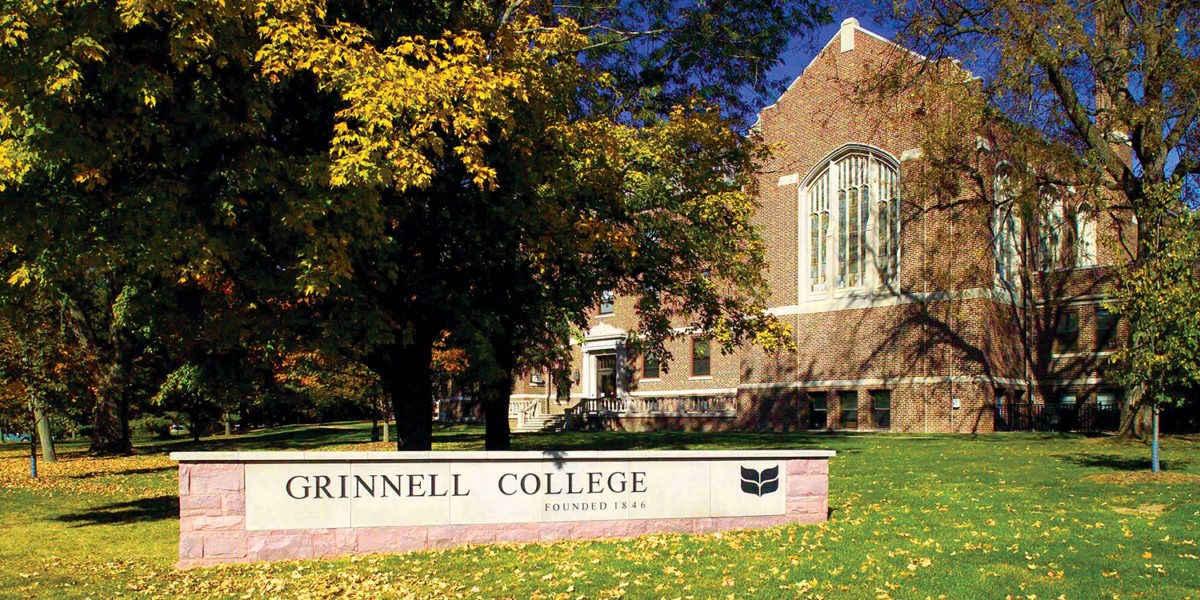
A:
<point x="1020" y="515"/>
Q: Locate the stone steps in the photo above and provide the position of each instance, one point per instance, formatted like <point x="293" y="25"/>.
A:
<point x="541" y="423"/>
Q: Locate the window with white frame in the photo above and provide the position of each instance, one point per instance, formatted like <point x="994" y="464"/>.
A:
<point x="1007" y="227"/>
<point x="853" y="204"/>
<point x="887" y="259"/>
<point x="818" y="219"/>
<point x="1085" y="236"/>
<point x="854" y="208"/>
<point x="608" y="300"/>
<point x="1050" y="237"/>
<point x="1067" y="237"/>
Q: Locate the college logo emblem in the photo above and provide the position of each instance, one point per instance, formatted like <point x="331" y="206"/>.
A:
<point x="760" y="483"/>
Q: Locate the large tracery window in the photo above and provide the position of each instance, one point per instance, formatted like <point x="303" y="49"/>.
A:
<point x="854" y="203"/>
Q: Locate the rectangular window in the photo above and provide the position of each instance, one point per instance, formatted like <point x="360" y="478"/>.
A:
<point x="701" y="358"/>
<point x="881" y="409"/>
<point x="650" y="367"/>
<point x="607" y="300"/>
<point x="537" y="379"/>
<point x="849" y="402"/>
<point x="1106" y="400"/>
<point x="1066" y="337"/>
<point x="1106" y="329"/>
<point x="818" y="413"/>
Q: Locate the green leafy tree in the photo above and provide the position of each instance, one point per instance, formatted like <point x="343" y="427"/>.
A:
<point x="506" y="184"/>
<point x="1162" y="295"/>
<point x="1103" y="97"/>
<point x="37" y="364"/>
<point x="408" y="169"/>
<point x="133" y="137"/>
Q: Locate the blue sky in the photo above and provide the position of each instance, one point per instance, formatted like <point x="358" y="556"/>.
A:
<point x="804" y="50"/>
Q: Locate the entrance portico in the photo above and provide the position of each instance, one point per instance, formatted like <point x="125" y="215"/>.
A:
<point x="604" y="362"/>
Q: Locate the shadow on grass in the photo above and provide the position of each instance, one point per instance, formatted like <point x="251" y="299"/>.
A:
<point x="144" y="509"/>
<point x="297" y="438"/>
<point x="1121" y="463"/>
<point x="146" y="471"/>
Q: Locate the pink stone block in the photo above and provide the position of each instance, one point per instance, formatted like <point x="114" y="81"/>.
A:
<point x="673" y="526"/>
<point x="198" y="506"/>
<point x="217" y="523"/>
<point x="191" y="545"/>
<point x="184" y="480"/>
<point x="518" y="532"/>
<point x="217" y="478"/>
<point x="705" y="526"/>
<point x="803" y="505"/>
<point x="797" y="466"/>
<point x="640" y="527"/>
<point x="479" y="534"/>
<point x="233" y="504"/>
<point x="808" y="518"/>
<point x="449" y="536"/>
<point x="224" y="545"/>
<point x="334" y="542"/>
<point x="549" y="532"/>
<point x="409" y="539"/>
<point x="807" y="485"/>
<point x="376" y="539"/>
<point x="280" y="546"/>
<point x="735" y="523"/>
<point x="602" y="529"/>
<point x="774" y="520"/>
<point x="818" y="466"/>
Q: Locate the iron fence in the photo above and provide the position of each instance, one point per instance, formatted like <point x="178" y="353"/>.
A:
<point x="1057" y="417"/>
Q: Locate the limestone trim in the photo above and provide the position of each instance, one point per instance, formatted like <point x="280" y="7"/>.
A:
<point x="869" y="299"/>
<point x="704" y="392"/>
<point x="847" y="383"/>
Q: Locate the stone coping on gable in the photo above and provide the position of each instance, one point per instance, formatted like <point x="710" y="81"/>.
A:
<point x="488" y="455"/>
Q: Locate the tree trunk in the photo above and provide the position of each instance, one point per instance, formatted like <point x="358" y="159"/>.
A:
<point x="1135" y="416"/>
<point x="43" y="430"/>
<point x="110" y="414"/>
<point x="228" y="425"/>
<point x="382" y="405"/>
<point x="496" y="393"/>
<point x="496" y="396"/>
<point x="404" y="372"/>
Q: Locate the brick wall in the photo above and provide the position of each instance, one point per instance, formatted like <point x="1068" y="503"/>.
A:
<point x="945" y="333"/>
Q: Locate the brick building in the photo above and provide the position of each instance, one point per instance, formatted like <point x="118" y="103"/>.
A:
<point x="908" y="306"/>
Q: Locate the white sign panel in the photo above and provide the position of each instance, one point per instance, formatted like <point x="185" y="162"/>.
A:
<point x="316" y="495"/>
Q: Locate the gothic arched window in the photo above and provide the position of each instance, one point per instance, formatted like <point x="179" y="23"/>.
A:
<point x="853" y="203"/>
